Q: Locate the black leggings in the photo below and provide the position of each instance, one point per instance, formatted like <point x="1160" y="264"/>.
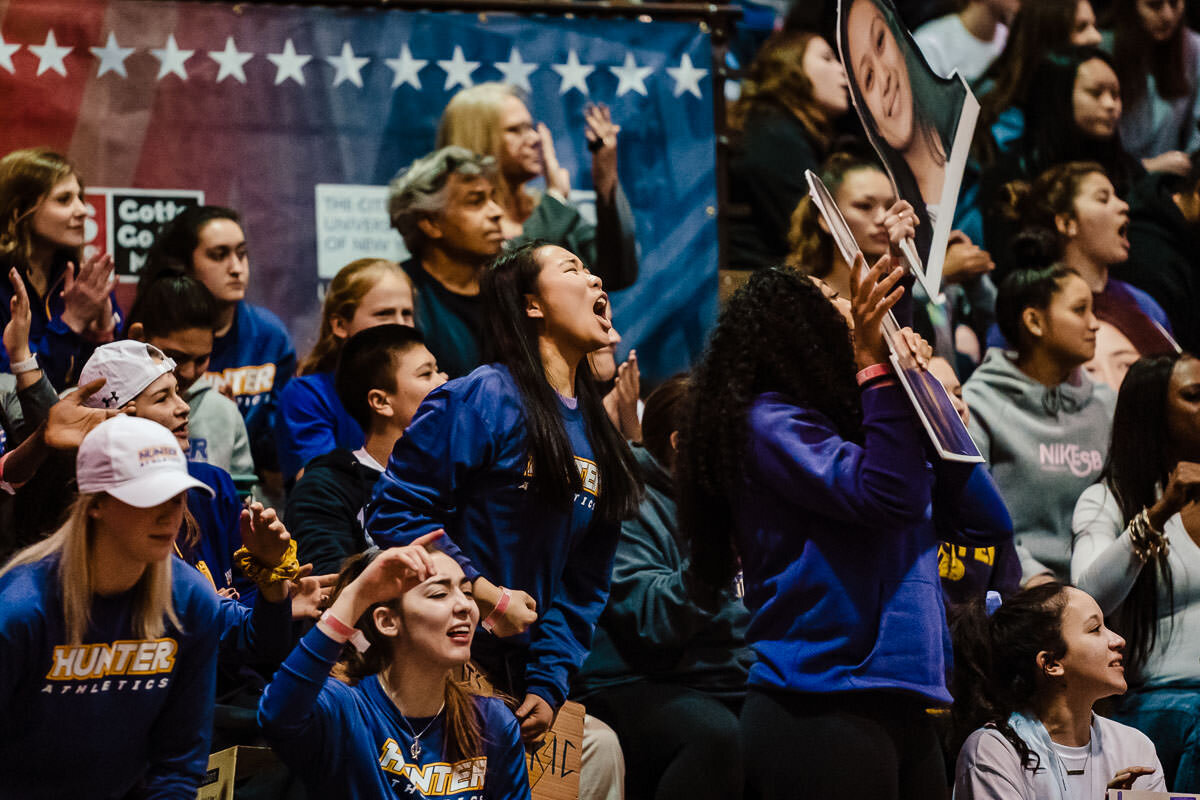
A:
<point x="677" y="742"/>
<point x="862" y="744"/>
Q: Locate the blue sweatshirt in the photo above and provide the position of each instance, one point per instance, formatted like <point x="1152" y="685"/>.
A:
<point x="350" y="741"/>
<point x="219" y="521"/>
<point x="98" y="719"/>
<point x="839" y="546"/>
<point x="462" y="465"/>
<point x="312" y="422"/>
<point x="254" y="359"/>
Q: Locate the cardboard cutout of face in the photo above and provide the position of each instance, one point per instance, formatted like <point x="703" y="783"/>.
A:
<point x="919" y="123"/>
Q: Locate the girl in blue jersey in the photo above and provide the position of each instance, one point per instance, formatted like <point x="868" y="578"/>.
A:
<point x="400" y="725"/>
<point x="520" y="465"/>
<point x="108" y="645"/>
<point x="802" y="459"/>
<point x="252" y="354"/>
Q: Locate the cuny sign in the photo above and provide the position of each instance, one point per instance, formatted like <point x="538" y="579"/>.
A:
<point x="124" y="222"/>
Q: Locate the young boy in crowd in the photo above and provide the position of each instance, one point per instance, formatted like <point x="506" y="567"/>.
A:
<point x="382" y="376"/>
<point x="176" y="314"/>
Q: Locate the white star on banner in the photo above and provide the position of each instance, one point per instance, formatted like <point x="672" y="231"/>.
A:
<point x="348" y="66"/>
<point x="686" y="76"/>
<point x="458" y="70"/>
<point x="516" y="71"/>
<point x="231" y="61"/>
<point x="573" y="74"/>
<point x="112" y="56"/>
<point x="172" y="59"/>
<point x="288" y="64"/>
<point x="406" y="68"/>
<point x="631" y="77"/>
<point x="6" y="54"/>
<point x="50" y="55"/>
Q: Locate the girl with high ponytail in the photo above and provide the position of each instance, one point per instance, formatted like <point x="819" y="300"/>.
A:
<point x="1026" y="678"/>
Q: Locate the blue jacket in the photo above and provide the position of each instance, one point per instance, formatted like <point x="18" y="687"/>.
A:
<point x="462" y="465"/>
<point x="312" y="422"/>
<point x="839" y="546"/>
<point x="219" y="521"/>
<point x="112" y="714"/>
<point x="351" y="741"/>
<point x="254" y="360"/>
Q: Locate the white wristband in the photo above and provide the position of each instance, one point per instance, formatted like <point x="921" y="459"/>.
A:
<point x="21" y="367"/>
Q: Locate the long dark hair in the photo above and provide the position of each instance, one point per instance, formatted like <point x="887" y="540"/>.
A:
<point x="1136" y="469"/>
<point x="995" y="661"/>
<point x="925" y="83"/>
<point x="511" y="339"/>
<point x="178" y="239"/>
<point x="778" y="333"/>
<point x="464" y="734"/>
<point x="1037" y="29"/>
<point x="1137" y="55"/>
<point x="1049" y="141"/>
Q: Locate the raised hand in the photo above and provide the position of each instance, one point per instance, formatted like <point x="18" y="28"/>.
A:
<point x="70" y="420"/>
<point x="964" y="259"/>
<point x="558" y="180"/>
<point x="872" y="296"/>
<point x="627" y="388"/>
<point x="601" y="133"/>
<point x="901" y="222"/>
<point x="87" y="296"/>
<point x="16" y="332"/>
<point x="1183" y="486"/>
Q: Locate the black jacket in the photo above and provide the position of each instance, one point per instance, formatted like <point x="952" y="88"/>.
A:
<point x="324" y="509"/>
<point x="1165" y="256"/>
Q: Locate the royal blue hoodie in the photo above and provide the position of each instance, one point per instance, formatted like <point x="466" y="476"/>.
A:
<point x="312" y="422"/>
<point x="463" y="465"/>
<point x="253" y="361"/>
<point x="114" y="713"/>
<point x="351" y="741"/>
<point x="839" y="547"/>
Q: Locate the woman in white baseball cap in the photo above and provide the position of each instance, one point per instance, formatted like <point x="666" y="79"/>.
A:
<point x="99" y="628"/>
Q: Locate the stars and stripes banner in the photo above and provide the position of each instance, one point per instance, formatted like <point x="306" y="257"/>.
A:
<point x="298" y="116"/>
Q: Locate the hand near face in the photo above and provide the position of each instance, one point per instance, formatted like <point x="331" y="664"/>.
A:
<point x="557" y="177"/>
<point x="622" y="402"/>
<point x="901" y="222"/>
<point x="70" y="420"/>
<point x="392" y="573"/>
<point x="872" y="297"/>
<point x="87" y="296"/>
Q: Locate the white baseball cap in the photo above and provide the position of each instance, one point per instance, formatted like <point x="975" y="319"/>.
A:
<point x="128" y="367"/>
<point x="135" y="460"/>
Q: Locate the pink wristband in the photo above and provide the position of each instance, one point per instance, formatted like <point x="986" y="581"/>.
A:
<point x="498" y="611"/>
<point x="868" y="374"/>
<point x="341" y="632"/>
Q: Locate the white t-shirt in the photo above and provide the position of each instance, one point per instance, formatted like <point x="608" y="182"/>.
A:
<point x="989" y="768"/>
<point x="948" y="46"/>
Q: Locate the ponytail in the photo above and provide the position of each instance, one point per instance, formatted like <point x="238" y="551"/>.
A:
<point x="995" y="661"/>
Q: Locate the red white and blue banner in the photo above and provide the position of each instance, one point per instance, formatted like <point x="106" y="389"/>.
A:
<point x="297" y="116"/>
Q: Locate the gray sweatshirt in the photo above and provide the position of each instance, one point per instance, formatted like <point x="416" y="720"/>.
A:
<point x="216" y="430"/>
<point x="1044" y="445"/>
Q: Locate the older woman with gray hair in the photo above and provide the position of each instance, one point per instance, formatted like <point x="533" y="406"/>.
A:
<point x="445" y="206"/>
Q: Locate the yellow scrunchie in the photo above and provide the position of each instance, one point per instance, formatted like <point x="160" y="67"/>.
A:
<point x="286" y="570"/>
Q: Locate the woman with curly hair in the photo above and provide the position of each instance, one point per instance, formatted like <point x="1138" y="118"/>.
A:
<point x="1147" y="495"/>
<point x="795" y="89"/>
<point x="401" y="623"/>
<point x="1027" y="675"/>
<point x="803" y="460"/>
